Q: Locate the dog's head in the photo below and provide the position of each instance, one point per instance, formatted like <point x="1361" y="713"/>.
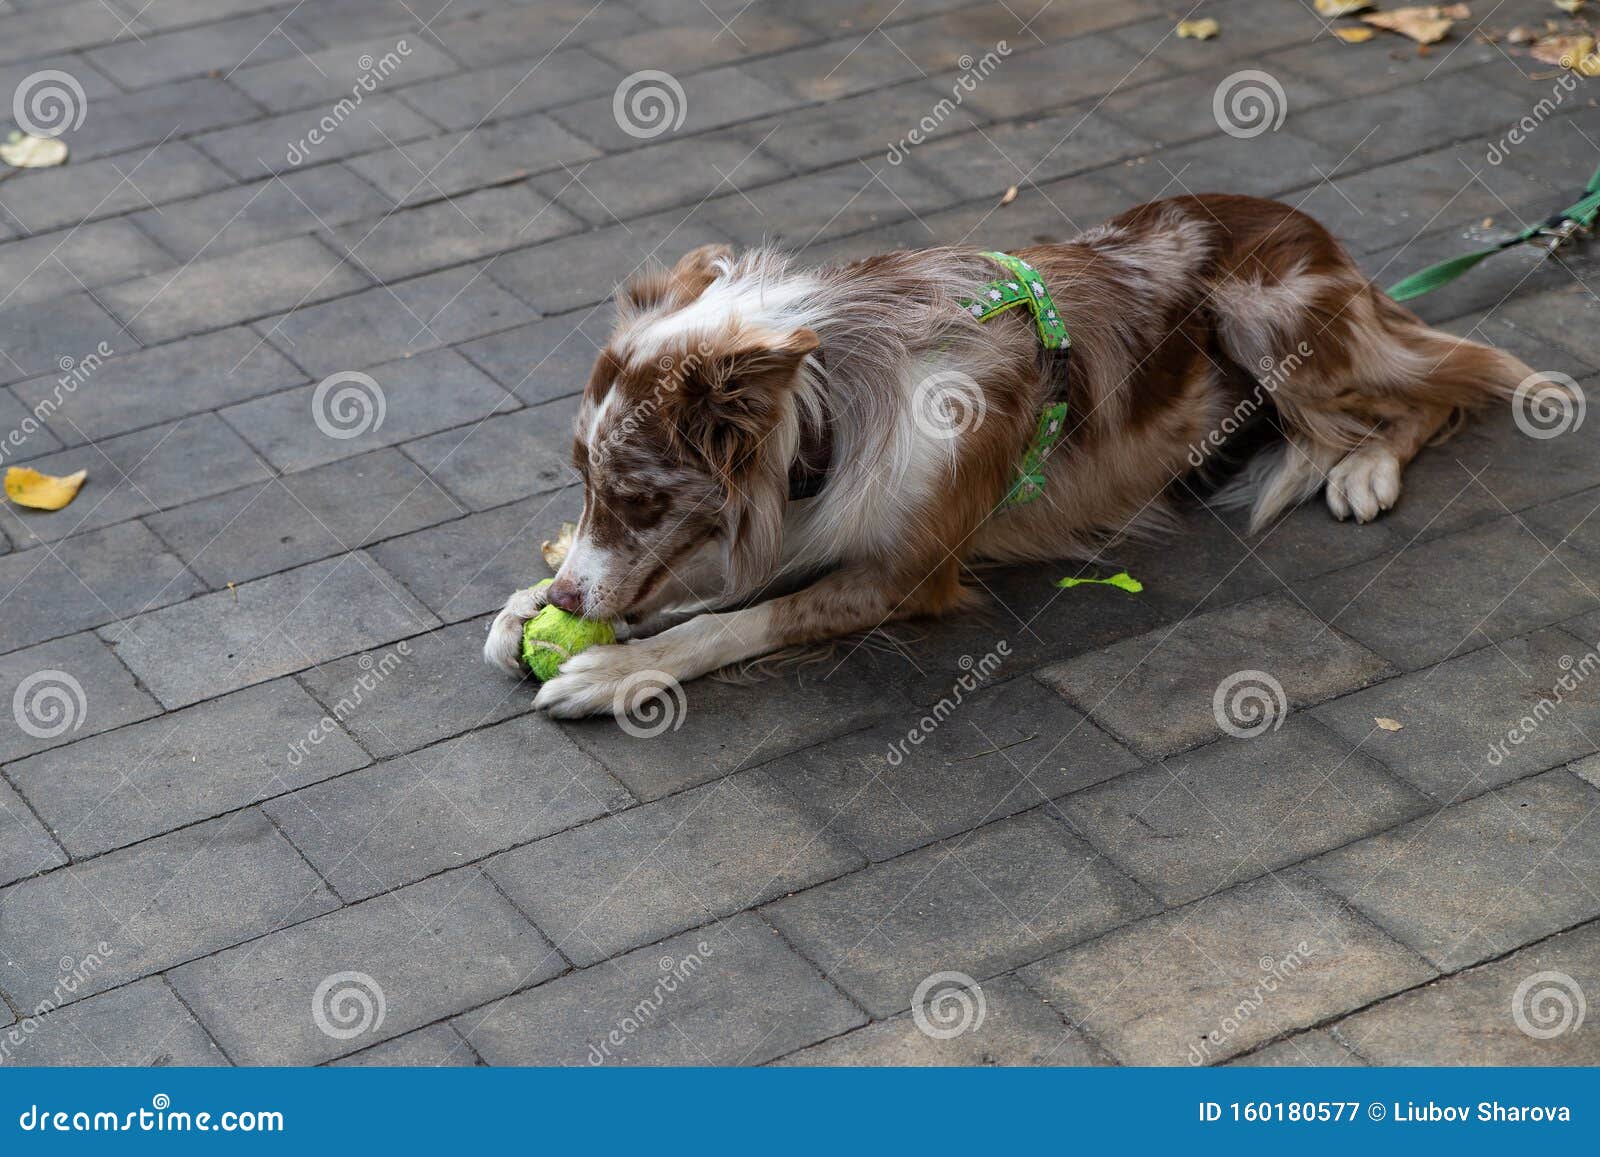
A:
<point x="683" y="441"/>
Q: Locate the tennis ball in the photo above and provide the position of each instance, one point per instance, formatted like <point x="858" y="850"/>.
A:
<point x="553" y="636"/>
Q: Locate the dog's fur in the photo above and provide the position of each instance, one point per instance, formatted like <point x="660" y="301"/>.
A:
<point x="729" y="382"/>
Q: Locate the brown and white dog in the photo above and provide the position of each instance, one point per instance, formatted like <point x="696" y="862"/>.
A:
<point x="848" y="435"/>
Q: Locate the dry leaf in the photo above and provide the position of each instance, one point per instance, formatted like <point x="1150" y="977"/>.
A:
<point x="1387" y="724"/>
<point x="1522" y="34"/>
<point x="555" y="553"/>
<point x="1574" y="52"/>
<point x="1331" y="8"/>
<point x="1010" y="196"/>
<point x="24" y="151"/>
<point x="27" y="487"/>
<point x="1570" y="7"/>
<point x="1203" y="29"/>
<point x="1354" y="35"/>
<point x="1425" y="25"/>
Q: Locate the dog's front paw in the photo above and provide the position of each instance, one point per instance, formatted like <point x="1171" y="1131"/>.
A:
<point x="616" y="679"/>
<point x="1364" y="483"/>
<point x="503" y="647"/>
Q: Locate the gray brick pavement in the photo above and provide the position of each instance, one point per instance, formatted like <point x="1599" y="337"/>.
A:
<point x="254" y="753"/>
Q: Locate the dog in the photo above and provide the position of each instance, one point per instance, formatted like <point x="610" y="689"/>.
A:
<point x="773" y="456"/>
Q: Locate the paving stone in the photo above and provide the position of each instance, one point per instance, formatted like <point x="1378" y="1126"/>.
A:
<point x="25" y="435"/>
<point x="300" y="518"/>
<point x="435" y="948"/>
<point x="177" y="13"/>
<point x="681" y="171"/>
<point x="549" y="358"/>
<point x="471" y="566"/>
<point x="693" y="49"/>
<point x="26" y="849"/>
<point x="1471" y="1018"/>
<point x="433" y="391"/>
<point x="282" y="143"/>
<point x="505" y="457"/>
<point x="647" y="873"/>
<point x="207" y="48"/>
<point x="834" y="201"/>
<point x="88" y="580"/>
<point x="1199" y="984"/>
<point x="1011" y="892"/>
<point x="517" y="32"/>
<point x="1482" y="719"/>
<point x="324" y="78"/>
<point x="1156" y="692"/>
<point x="454" y="163"/>
<point x="503" y="91"/>
<point x="1481" y="877"/>
<point x="248" y="216"/>
<point x="147" y="387"/>
<point x="1236" y="808"/>
<point x="155" y="905"/>
<point x="728" y="994"/>
<point x="401" y="318"/>
<point x="140" y="1024"/>
<point x="1355" y="69"/>
<point x="110" y="697"/>
<point x="220" y="291"/>
<point x="96" y="87"/>
<point x="1265" y="166"/>
<point x="87" y="256"/>
<point x="839" y="68"/>
<point x="127" y="785"/>
<point x="437" y="1046"/>
<point x="441" y="688"/>
<point x="138" y="473"/>
<point x="712" y="99"/>
<point x="1258" y="26"/>
<point x="923" y="776"/>
<point x="342" y="21"/>
<point x="1504" y="582"/>
<point x="591" y="265"/>
<point x="64" y="26"/>
<point x="440" y="807"/>
<point x="1317" y="1047"/>
<point x="1181" y="109"/>
<point x="866" y="126"/>
<point x="1567" y="522"/>
<point x="44" y="199"/>
<point x="1017" y="1029"/>
<point x="785" y="714"/>
<point x="1550" y="346"/>
<point x="266" y="628"/>
<point x="460" y="229"/>
<point x="1029" y="82"/>
<point x="145" y="118"/>
<point x="35" y="337"/>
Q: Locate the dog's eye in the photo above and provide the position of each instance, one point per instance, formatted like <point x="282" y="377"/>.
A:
<point x="641" y="511"/>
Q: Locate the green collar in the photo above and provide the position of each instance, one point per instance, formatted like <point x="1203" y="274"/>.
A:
<point x="1026" y="287"/>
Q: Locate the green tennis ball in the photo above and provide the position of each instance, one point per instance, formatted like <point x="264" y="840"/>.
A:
<point x="553" y="636"/>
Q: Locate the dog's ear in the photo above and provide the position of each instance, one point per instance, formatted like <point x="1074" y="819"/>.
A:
<point x="677" y="286"/>
<point x="734" y="396"/>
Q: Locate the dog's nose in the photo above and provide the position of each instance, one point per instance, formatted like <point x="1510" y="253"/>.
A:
<point x="564" y="593"/>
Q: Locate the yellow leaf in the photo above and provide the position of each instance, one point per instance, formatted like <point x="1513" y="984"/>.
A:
<point x="1331" y="8"/>
<point x="24" y="151"/>
<point x="27" y="487"/>
<point x="1426" y="25"/>
<point x="1570" y="7"/>
<point x="1198" y="29"/>
<point x="1010" y="196"/>
<point x="555" y="553"/>
<point x="1354" y="35"/>
<point x="1574" y="52"/>
<point x="1388" y="724"/>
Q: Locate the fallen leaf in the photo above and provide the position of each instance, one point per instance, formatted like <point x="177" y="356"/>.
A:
<point x="1522" y="34"/>
<point x="24" y="151"/>
<point x="27" y="487"/>
<point x="1576" y="52"/>
<point x="1387" y="724"/>
<point x="1425" y="25"/>
<point x="1570" y="7"/>
<point x="1010" y="196"/>
<point x="1332" y="8"/>
<point x="1203" y="29"/>
<point x="1354" y="35"/>
<point x="555" y="553"/>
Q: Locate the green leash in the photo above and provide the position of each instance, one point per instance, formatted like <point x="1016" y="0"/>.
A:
<point x="1025" y="287"/>
<point x="1562" y="225"/>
